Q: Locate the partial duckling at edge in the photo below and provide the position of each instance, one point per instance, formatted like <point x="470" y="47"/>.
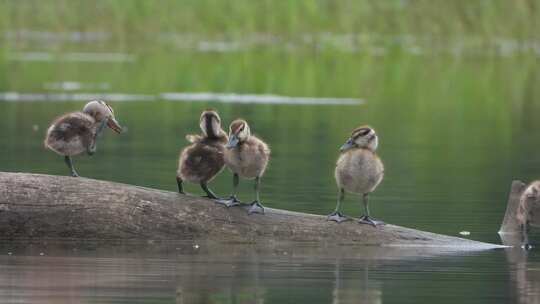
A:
<point x="74" y="133"/>
<point x="358" y="170"/>
<point x="246" y="156"/>
<point x="201" y="161"/>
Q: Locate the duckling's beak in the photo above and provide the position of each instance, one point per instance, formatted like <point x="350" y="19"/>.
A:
<point x="114" y="125"/>
<point x="347" y="145"/>
<point x="233" y="142"/>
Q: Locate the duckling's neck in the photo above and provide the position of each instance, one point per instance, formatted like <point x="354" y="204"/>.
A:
<point x="220" y="135"/>
<point x="358" y="149"/>
<point x="368" y="148"/>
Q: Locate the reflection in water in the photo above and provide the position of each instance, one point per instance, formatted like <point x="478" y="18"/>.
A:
<point x="372" y="43"/>
<point x="525" y="275"/>
<point x="51" y="38"/>
<point x="219" y="281"/>
<point x="525" y="264"/>
<point x="360" y="290"/>
<point x="72" y="57"/>
<point x="259" y="99"/>
<point x="76" y="85"/>
<point x="271" y="273"/>
<point x="185" y="96"/>
<point x="55" y="97"/>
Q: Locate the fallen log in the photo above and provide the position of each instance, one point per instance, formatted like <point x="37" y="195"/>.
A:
<point x="36" y="206"/>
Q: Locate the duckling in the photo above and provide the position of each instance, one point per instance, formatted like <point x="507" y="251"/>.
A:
<point x="74" y="133"/>
<point x="201" y="161"/>
<point x="246" y="156"/>
<point x="358" y="170"/>
<point x="527" y="212"/>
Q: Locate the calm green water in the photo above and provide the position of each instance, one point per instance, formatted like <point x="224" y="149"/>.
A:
<point x="285" y="273"/>
<point x="454" y="97"/>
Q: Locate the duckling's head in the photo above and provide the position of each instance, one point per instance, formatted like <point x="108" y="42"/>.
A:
<point x="210" y="123"/>
<point x="101" y="111"/>
<point x="238" y="133"/>
<point x="362" y="137"/>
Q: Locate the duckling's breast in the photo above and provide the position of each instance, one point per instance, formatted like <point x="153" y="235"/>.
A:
<point x="71" y="134"/>
<point x="201" y="162"/>
<point x="359" y="171"/>
<point x="248" y="160"/>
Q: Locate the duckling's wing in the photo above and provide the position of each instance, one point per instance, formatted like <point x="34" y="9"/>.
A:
<point x="264" y="149"/>
<point x="193" y="138"/>
<point x="202" y="162"/>
<point x="72" y="125"/>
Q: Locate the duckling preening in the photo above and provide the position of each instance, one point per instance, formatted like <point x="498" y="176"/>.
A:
<point x="358" y="170"/>
<point x="74" y="133"/>
<point x="246" y="156"/>
<point x="201" y="161"/>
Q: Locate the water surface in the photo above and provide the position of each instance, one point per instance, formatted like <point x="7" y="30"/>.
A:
<point x="180" y="272"/>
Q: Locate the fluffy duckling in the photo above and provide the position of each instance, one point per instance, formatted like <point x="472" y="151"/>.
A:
<point x="527" y="211"/>
<point x="358" y="170"/>
<point x="74" y="133"/>
<point x="246" y="156"/>
<point x="201" y="161"/>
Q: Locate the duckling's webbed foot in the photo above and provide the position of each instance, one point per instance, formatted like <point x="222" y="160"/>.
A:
<point x="370" y="221"/>
<point x="232" y="200"/>
<point x="229" y="202"/>
<point x="69" y="163"/>
<point x="337" y="217"/>
<point x="256" y="207"/>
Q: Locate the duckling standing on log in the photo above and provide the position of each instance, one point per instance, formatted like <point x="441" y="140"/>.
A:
<point x="358" y="170"/>
<point x="201" y="161"/>
<point x="77" y="132"/>
<point x="246" y="156"/>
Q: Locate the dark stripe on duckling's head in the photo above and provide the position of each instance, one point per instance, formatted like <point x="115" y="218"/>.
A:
<point x="238" y="133"/>
<point x="210" y="123"/>
<point x="237" y="126"/>
<point x="101" y="111"/>
<point x="362" y="131"/>
<point x="239" y="130"/>
<point x="108" y="106"/>
<point x="362" y="137"/>
<point x="98" y="109"/>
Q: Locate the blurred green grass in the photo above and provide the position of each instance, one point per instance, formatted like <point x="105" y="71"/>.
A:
<point x="128" y="20"/>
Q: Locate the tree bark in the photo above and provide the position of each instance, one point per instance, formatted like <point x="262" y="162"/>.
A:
<point x="35" y="206"/>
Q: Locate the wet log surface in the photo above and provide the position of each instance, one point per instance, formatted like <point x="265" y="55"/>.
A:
<point x="36" y="206"/>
